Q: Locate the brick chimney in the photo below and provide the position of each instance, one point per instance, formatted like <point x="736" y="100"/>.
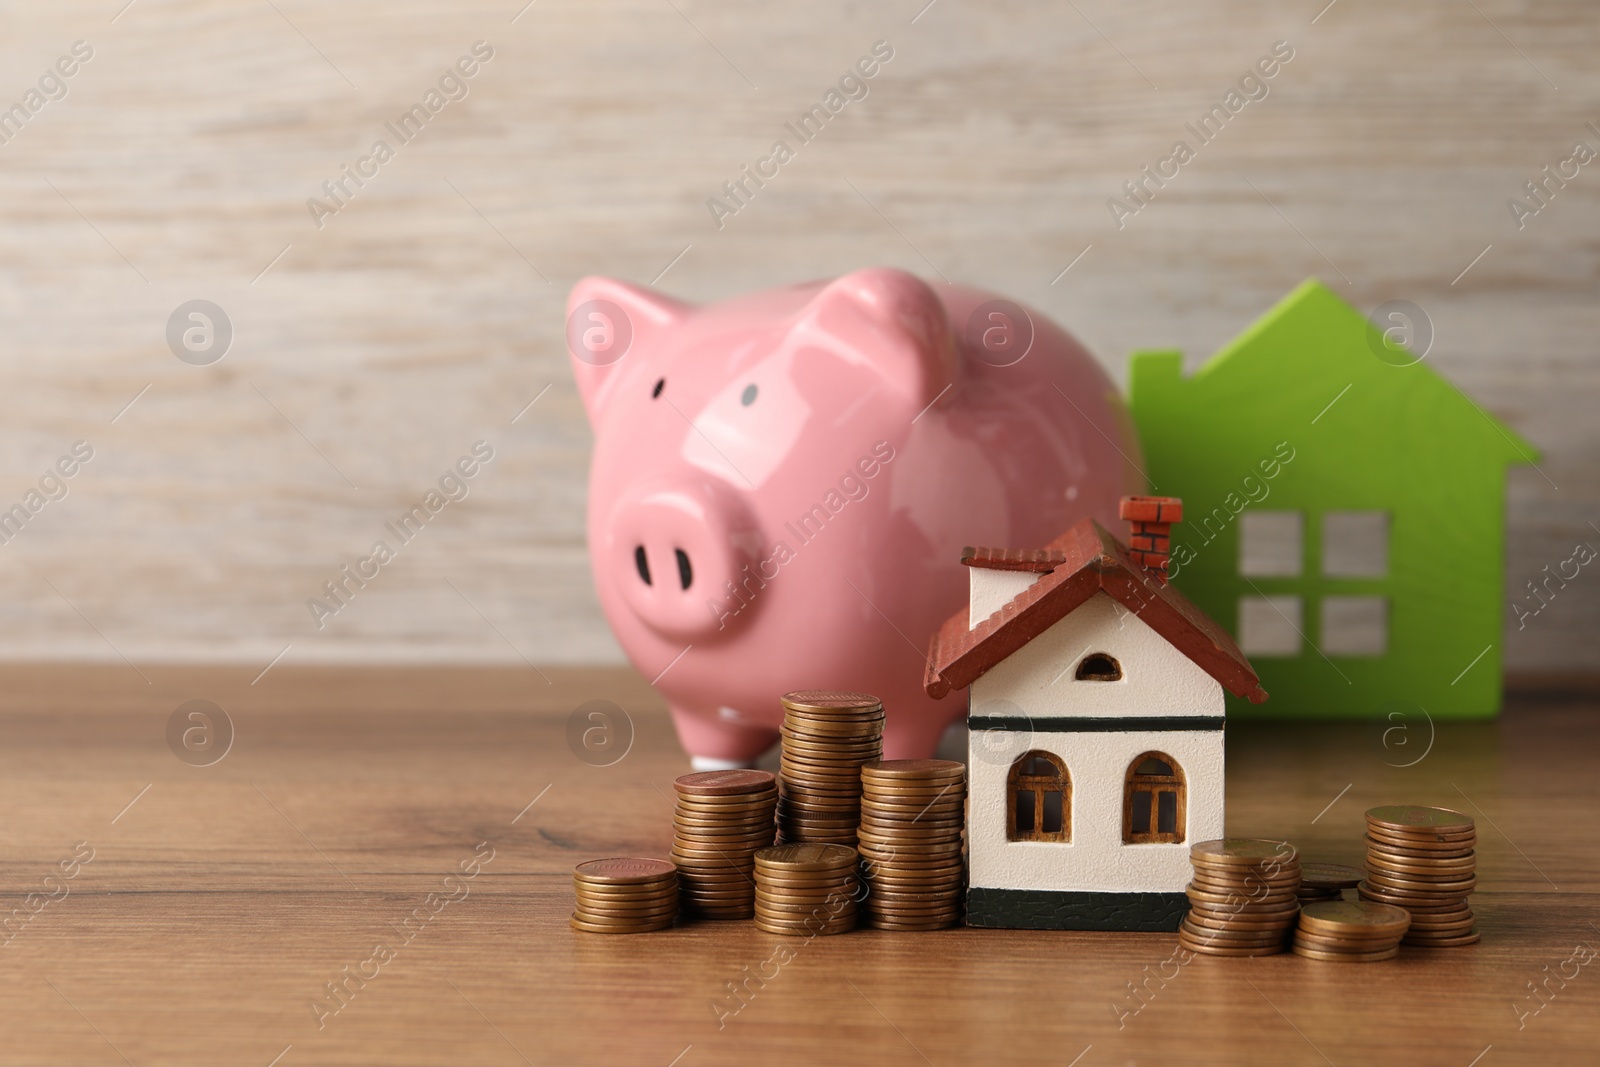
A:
<point x="1151" y="518"/>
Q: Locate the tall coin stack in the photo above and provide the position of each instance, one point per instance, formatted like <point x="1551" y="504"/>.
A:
<point x="806" y="889"/>
<point x="1423" y="860"/>
<point x="624" y="895"/>
<point x="911" y="817"/>
<point x="1242" y="900"/>
<point x="722" y="819"/>
<point x="827" y="736"/>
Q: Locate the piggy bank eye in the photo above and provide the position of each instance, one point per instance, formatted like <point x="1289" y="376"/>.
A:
<point x="748" y="397"/>
<point x="661" y="383"/>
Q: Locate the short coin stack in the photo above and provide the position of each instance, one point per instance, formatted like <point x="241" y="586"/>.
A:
<point x="722" y="818"/>
<point x="827" y="736"/>
<point x="624" y="895"/>
<point x="1326" y="881"/>
<point x="806" y="888"/>
<point x="1422" y="860"/>
<point x="1242" y="900"/>
<point x="911" y="817"/>
<point x="1350" y="930"/>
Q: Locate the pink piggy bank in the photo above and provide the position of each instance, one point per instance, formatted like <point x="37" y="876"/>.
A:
<point x="783" y="482"/>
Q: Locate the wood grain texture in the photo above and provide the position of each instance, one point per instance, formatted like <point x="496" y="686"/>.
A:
<point x="220" y="902"/>
<point x="371" y="352"/>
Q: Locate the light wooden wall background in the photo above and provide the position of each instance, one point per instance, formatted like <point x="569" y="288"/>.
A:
<point x="427" y="313"/>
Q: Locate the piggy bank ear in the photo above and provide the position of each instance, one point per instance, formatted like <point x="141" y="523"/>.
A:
<point x="892" y="320"/>
<point x="606" y="321"/>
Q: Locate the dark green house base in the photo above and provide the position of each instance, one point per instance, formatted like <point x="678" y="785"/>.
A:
<point x="1043" y="909"/>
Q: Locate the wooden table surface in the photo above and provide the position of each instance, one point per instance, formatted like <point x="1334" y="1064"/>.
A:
<point x="219" y="901"/>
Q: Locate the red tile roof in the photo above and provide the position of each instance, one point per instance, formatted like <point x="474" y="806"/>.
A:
<point x="1081" y="562"/>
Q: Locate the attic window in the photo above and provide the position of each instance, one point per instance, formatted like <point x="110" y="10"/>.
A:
<point x="1099" y="667"/>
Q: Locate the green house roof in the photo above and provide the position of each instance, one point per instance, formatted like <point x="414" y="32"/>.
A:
<point x="1313" y="355"/>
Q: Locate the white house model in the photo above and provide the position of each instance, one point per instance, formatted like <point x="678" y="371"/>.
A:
<point x="1095" y="712"/>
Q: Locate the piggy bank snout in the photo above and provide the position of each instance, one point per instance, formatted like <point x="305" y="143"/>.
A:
<point x="671" y="555"/>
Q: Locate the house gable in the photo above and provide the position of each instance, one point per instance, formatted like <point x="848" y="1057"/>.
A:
<point x="1038" y="680"/>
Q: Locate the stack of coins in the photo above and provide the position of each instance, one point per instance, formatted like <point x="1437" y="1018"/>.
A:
<point x="827" y="736"/>
<point x="722" y="818"/>
<point x="1326" y="881"/>
<point x="1350" y="930"/>
<point x="1422" y="860"/>
<point x="624" y="895"/>
<point x="911" y="817"/>
<point x="806" y="889"/>
<point x="1242" y="900"/>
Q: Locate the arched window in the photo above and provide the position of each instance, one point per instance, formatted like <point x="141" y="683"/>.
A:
<point x="1099" y="667"/>
<point x="1039" y="807"/>
<point x="1153" y="800"/>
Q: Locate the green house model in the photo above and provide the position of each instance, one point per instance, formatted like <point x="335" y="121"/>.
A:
<point x="1344" y="512"/>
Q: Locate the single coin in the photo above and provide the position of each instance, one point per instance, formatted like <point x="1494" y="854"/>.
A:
<point x="723" y="783"/>
<point x="591" y="928"/>
<point x="802" y="931"/>
<point x="623" y="869"/>
<point x="628" y="922"/>
<point x="807" y="857"/>
<point x="1217" y="933"/>
<point x="1312" y="953"/>
<point x="1248" y="890"/>
<point x="1216" y="949"/>
<point x="1420" y="930"/>
<point x="1368" y="891"/>
<point x="910" y="896"/>
<point x="1344" y="944"/>
<point x="1330" y="875"/>
<point x="1416" y="816"/>
<point x="1241" y="851"/>
<point x="829" y="700"/>
<point x="1356" y="938"/>
<point x="1259" y="923"/>
<point x="1397" y="884"/>
<point x="1429" y="846"/>
<point x="1242" y="901"/>
<point x="593" y="914"/>
<point x="884" y="923"/>
<point x="1470" y="938"/>
<point x="1404" y="869"/>
<point x="921" y="770"/>
<point x="1378" y="854"/>
<point x="1346" y="918"/>
<point x="753" y="809"/>
<point x="628" y="898"/>
<point x="1416" y="848"/>
<point x="912" y="832"/>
